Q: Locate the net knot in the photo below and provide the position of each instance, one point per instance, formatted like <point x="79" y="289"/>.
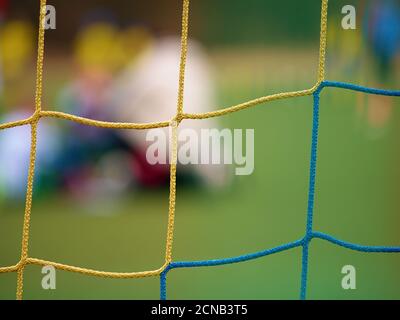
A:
<point x="175" y="122"/>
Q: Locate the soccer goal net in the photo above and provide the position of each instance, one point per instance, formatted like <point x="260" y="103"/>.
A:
<point x="170" y="264"/>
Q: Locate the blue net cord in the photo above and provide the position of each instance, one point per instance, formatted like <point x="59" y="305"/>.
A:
<point x="310" y="233"/>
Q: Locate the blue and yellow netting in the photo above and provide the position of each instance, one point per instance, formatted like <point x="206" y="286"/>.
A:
<point x="180" y="116"/>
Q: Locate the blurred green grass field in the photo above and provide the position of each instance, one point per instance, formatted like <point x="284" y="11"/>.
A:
<point x="356" y="200"/>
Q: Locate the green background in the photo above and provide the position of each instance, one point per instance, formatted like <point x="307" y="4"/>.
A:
<point x="264" y="47"/>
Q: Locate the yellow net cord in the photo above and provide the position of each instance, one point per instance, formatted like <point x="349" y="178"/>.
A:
<point x="173" y="123"/>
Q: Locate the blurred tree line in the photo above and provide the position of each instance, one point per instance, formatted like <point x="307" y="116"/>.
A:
<point x="215" y="22"/>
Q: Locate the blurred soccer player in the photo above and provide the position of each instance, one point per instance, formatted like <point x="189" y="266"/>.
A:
<point x="146" y="91"/>
<point x="83" y="165"/>
<point x="15" y="155"/>
<point x="382" y="33"/>
<point x="17" y="55"/>
<point x="3" y="12"/>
